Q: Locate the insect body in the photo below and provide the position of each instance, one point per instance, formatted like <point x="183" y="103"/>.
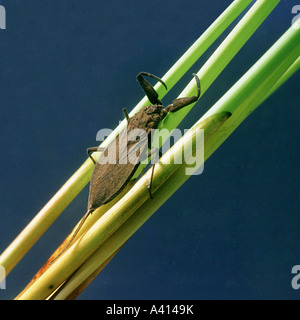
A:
<point x="109" y="178"/>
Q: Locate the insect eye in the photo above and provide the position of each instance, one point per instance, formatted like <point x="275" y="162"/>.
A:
<point x="138" y="138"/>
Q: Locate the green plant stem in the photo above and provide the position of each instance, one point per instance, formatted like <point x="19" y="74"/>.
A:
<point x="293" y="69"/>
<point x="43" y="220"/>
<point x="278" y="59"/>
<point x="224" y="54"/>
<point x="241" y="100"/>
<point x="91" y="268"/>
<point x="228" y="49"/>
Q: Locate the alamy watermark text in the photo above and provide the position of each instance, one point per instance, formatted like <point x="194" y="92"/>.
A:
<point x="2" y="17"/>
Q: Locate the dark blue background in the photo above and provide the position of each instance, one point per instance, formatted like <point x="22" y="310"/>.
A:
<point x="67" y="68"/>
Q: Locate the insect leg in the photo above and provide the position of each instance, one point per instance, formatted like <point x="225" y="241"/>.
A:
<point x="126" y="114"/>
<point x="82" y="221"/>
<point x="157" y="152"/>
<point x="94" y="149"/>
<point x="147" y="87"/>
<point x="177" y="104"/>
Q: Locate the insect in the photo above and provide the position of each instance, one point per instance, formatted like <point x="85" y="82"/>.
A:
<point x="110" y="178"/>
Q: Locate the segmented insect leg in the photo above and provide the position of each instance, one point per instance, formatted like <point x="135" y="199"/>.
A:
<point x="94" y="149"/>
<point x="82" y="221"/>
<point x="180" y="103"/>
<point x="126" y="114"/>
<point x="157" y="152"/>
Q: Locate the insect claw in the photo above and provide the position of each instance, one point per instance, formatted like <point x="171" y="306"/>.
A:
<point x="180" y="103"/>
<point x="149" y="188"/>
<point x="147" y="87"/>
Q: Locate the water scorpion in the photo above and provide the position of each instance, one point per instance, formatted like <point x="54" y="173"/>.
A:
<point x="110" y="178"/>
